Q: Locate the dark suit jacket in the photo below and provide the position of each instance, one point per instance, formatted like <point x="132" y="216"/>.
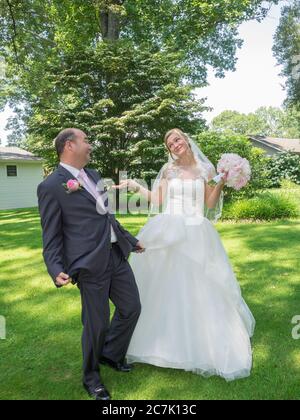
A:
<point x="75" y="235"/>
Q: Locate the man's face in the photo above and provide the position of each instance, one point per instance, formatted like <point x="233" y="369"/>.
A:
<point x="81" y="147"/>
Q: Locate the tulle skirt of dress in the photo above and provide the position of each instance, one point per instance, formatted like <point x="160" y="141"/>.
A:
<point x="193" y="315"/>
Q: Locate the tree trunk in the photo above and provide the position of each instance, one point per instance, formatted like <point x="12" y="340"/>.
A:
<point x="104" y="24"/>
<point x="113" y="27"/>
<point x="110" y="22"/>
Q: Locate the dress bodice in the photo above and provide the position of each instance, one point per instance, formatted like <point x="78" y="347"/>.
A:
<point x="185" y="197"/>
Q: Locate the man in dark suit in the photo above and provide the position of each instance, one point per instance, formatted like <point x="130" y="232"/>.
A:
<point x="83" y="243"/>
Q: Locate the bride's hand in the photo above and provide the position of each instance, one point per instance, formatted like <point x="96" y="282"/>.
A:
<point x="224" y="178"/>
<point x="129" y="184"/>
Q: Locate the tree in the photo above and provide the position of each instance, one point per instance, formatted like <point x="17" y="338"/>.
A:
<point x="287" y="50"/>
<point x="238" y="123"/>
<point x="272" y="121"/>
<point x="206" y="32"/>
<point x="265" y="121"/>
<point x="131" y="64"/>
<point x="291" y="123"/>
<point x="124" y="98"/>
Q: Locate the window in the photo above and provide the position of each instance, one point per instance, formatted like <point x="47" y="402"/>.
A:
<point x="11" y="170"/>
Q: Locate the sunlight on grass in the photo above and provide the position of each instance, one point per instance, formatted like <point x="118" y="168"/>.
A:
<point x="41" y="357"/>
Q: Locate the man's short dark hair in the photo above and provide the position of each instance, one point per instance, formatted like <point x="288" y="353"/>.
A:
<point x="62" y="138"/>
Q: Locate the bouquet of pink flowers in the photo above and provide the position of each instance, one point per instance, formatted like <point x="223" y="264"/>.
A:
<point x="238" y="170"/>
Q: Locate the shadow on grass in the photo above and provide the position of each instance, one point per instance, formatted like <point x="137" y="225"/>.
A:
<point x="21" y="214"/>
<point x="269" y="273"/>
<point x="42" y="353"/>
<point x="20" y="228"/>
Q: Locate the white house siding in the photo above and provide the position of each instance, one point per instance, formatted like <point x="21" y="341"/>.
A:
<point x="19" y="191"/>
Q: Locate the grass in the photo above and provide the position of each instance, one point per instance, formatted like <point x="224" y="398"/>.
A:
<point x="41" y="356"/>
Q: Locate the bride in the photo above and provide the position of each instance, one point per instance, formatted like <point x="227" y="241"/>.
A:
<point x="193" y="315"/>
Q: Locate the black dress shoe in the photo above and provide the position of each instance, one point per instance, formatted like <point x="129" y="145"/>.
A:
<point x="99" y="393"/>
<point x="119" y="366"/>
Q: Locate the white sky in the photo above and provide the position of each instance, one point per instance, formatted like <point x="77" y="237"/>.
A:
<point x="255" y="82"/>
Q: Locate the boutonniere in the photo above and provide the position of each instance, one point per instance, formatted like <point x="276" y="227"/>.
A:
<point x="72" y="186"/>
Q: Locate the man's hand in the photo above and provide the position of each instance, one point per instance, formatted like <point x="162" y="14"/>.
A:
<point x="140" y="248"/>
<point x="63" y="279"/>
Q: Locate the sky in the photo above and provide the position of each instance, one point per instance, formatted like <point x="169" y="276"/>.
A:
<point x="256" y="81"/>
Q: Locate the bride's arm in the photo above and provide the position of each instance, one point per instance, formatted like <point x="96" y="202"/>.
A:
<point x="212" y="194"/>
<point x="155" y="197"/>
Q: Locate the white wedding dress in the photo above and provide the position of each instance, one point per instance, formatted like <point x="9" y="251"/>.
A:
<point x="193" y="315"/>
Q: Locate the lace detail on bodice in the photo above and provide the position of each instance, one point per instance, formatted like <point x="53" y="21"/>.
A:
<point x="173" y="171"/>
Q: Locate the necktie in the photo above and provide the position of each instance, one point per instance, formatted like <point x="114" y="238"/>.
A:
<point x="90" y="186"/>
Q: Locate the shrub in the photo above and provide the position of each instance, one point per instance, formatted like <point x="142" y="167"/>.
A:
<point x="285" y="165"/>
<point x="265" y="206"/>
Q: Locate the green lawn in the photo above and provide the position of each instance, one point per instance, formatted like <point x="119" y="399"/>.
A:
<point x="41" y="357"/>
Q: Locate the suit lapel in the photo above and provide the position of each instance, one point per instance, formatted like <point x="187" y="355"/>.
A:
<point x="66" y="175"/>
<point x="95" y="177"/>
<point x="99" y="184"/>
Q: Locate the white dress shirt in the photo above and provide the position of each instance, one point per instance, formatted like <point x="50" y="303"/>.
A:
<point x="75" y="172"/>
